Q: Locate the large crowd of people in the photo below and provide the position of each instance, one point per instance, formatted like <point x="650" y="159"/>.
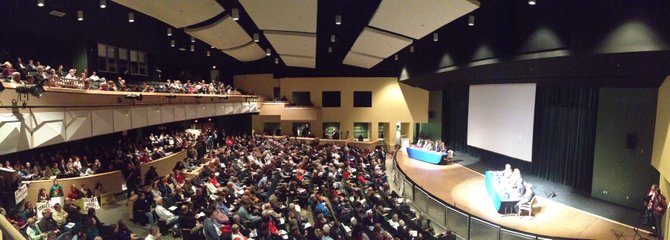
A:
<point x="35" y="73"/>
<point x="252" y="187"/>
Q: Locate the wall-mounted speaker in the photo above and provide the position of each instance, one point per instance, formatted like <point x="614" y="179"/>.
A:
<point x="631" y="141"/>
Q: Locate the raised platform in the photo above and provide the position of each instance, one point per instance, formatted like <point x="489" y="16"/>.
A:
<point x="464" y="189"/>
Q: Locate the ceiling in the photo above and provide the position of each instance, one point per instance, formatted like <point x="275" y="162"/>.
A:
<point x="304" y="33"/>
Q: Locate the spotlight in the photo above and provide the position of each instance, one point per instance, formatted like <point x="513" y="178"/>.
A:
<point x="236" y="14"/>
<point x="330" y="49"/>
<point x="131" y="17"/>
<point x="80" y="15"/>
<point x="192" y="48"/>
<point x="103" y="3"/>
<point x="40" y="3"/>
<point x="268" y="52"/>
<point x="256" y="37"/>
<point x="209" y="54"/>
<point x="435" y="37"/>
<point x="332" y="38"/>
<point x="396" y="57"/>
<point x="169" y="32"/>
<point x="338" y="20"/>
<point x="192" y="39"/>
<point x="532" y="2"/>
<point x="411" y="48"/>
<point x="171" y="43"/>
<point x="276" y="60"/>
<point x="471" y="20"/>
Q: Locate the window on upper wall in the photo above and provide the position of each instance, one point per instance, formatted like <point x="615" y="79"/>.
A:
<point x="361" y="131"/>
<point x="302" y="99"/>
<point x="330" y="99"/>
<point x="113" y="59"/>
<point x="362" y="99"/>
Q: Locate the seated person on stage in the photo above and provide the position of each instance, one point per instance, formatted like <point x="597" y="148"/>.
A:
<point x="506" y="173"/>
<point x="527" y="196"/>
<point x="516" y="183"/>
<point x="428" y="145"/>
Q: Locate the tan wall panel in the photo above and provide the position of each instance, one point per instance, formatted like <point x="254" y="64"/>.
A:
<point x="138" y="117"/>
<point x="47" y="126"/>
<point x="102" y="121"/>
<point x="191" y="111"/>
<point x="15" y="131"/>
<point x="167" y="113"/>
<point x="179" y="112"/>
<point x="660" y="157"/>
<point x="154" y="115"/>
<point x="78" y="124"/>
<point x="211" y="110"/>
<point x="164" y="165"/>
<point x="261" y="84"/>
<point x="122" y="119"/>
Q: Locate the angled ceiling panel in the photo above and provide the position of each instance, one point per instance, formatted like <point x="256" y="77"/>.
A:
<point x="379" y="43"/>
<point x="246" y="53"/>
<point x="299" y="61"/>
<point x="283" y="15"/>
<point x="178" y="13"/>
<point x="292" y="43"/>
<point x="223" y="34"/>
<point x="361" y="60"/>
<point x="418" y="19"/>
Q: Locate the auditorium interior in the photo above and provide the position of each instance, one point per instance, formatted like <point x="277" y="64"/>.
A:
<point x="334" y="119"/>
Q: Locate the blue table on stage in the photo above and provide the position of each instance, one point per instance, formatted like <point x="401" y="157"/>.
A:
<point x="425" y="156"/>
<point x="502" y="202"/>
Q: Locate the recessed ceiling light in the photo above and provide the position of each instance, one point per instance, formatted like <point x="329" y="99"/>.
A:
<point x="532" y="2"/>
<point x="235" y="14"/>
<point x="338" y="20"/>
<point x="80" y="15"/>
<point x="40" y="3"/>
<point x="471" y="20"/>
<point x="169" y="32"/>
<point x="131" y="17"/>
<point x="435" y="37"/>
<point x="103" y="3"/>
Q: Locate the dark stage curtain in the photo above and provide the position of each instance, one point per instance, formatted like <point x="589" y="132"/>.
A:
<point x="455" y="118"/>
<point x="564" y="135"/>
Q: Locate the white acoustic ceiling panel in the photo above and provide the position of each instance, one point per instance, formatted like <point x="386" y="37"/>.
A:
<point x="361" y="60"/>
<point x="292" y="43"/>
<point x="418" y="19"/>
<point x="178" y="13"/>
<point x="299" y="61"/>
<point x="379" y="43"/>
<point x="246" y="53"/>
<point x="283" y="15"/>
<point x="223" y="34"/>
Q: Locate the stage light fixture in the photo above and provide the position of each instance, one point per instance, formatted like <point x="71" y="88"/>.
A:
<point x="396" y="57"/>
<point x="268" y="52"/>
<point x="192" y="48"/>
<point x="411" y="48"/>
<point x="103" y="3"/>
<point x="276" y="60"/>
<point x="40" y="3"/>
<point x="172" y="43"/>
<point x="236" y="14"/>
<point x="332" y="38"/>
<point x="192" y="39"/>
<point x="338" y="20"/>
<point x="436" y="37"/>
<point x="209" y="53"/>
<point x="169" y="32"/>
<point x="532" y="2"/>
<point x="330" y="49"/>
<point x="471" y="20"/>
<point x="80" y="15"/>
<point x="131" y="17"/>
<point x="256" y="37"/>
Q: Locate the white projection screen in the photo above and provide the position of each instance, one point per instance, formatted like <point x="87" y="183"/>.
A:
<point x="500" y="119"/>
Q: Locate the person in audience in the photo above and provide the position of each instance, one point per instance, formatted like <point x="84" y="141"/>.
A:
<point x="171" y="220"/>
<point x="71" y="74"/>
<point x="33" y="231"/>
<point x="41" y="77"/>
<point x="73" y="211"/>
<point x="8" y="70"/>
<point x="154" y="234"/>
<point x="56" y="190"/>
<point x="42" y="195"/>
<point x="121" y="232"/>
<point x="59" y="215"/>
<point x="75" y="193"/>
<point x="47" y="223"/>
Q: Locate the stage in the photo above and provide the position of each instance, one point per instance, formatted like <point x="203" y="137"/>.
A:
<point x="464" y="188"/>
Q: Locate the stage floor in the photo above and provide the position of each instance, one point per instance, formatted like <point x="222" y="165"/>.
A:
<point x="464" y="188"/>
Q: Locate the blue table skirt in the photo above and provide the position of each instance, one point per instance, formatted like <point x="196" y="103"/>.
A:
<point x="425" y="156"/>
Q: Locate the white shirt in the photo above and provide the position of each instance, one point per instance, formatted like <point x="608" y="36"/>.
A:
<point x="95" y="78"/>
<point x="163" y="213"/>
